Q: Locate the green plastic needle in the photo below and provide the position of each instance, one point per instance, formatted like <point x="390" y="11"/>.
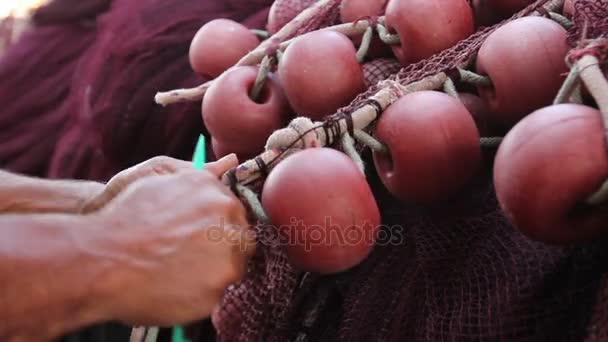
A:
<point x="200" y="154"/>
<point x="178" y="335"/>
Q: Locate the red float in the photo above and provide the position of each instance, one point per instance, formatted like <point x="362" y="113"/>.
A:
<point x="220" y="44"/>
<point x="525" y="59"/>
<point x="480" y="111"/>
<point x="353" y="10"/>
<point x="322" y="205"/>
<point x="427" y="27"/>
<point x="546" y="168"/>
<point x="284" y="11"/>
<point x="238" y="122"/>
<point x="320" y="73"/>
<point x="433" y="143"/>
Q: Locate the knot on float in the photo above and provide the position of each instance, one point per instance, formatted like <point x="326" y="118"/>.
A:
<point x="597" y="48"/>
<point x="273" y="46"/>
<point x="372" y="20"/>
<point x="300" y="133"/>
<point x="394" y="88"/>
<point x="332" y="128"/>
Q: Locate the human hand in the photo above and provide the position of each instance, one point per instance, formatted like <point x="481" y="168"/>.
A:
<point x="154" y="167"/>
<point x="178" y="241"/>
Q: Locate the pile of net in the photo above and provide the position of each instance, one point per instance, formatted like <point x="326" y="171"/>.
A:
<point x="80" y="105"/>
<point x="36" y="72"/>
<point x="460" y="272"/>
<point x="114" y="123"/>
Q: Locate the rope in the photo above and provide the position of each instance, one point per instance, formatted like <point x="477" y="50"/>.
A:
<point x="387" y="37"/>
<point x="365" y="43"/>
<point x="348" y="143"/>
<point x="473" y="78"/>
<point x="560" y="19"/>
<point x="596" y="83"/>
<point x="450" y="88"/>
<point x="260" y="80"/>
<point x="570" y="84"/>
<point x="254" y="202"/>
<point x="577" y="94"/>
<point x="254" y="57"/>
<point x="600" y="197"/>
<point x="138" y="334"/>
<point x="303" y="133"/>
<point x="279" y="55"/>
<point x="261" y="33"/>
<point x="370" y="141"/>
<point x="152" y="334"/>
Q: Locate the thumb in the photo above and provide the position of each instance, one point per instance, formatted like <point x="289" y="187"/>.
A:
<point x="219" y="167"/>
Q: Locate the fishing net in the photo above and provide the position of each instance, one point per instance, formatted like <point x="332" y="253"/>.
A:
<point x="141" y="47"/>
<point x="35" y="74"/>
<point x="457" y="271"/>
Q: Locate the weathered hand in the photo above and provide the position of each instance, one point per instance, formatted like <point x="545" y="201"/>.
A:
<point x="178" y="241"/>
<point x="154" y="167"/>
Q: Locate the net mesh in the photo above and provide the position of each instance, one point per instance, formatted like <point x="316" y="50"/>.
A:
<point x="378" y="70"/>
<point x="456" y="272"/>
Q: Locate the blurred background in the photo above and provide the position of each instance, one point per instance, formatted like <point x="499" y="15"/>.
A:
<point x="14" y="19"/>
<point x="18" y="8"/>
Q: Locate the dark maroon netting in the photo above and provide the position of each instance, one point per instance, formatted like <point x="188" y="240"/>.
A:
<point x="35" y="76"/>
<point x="459" y="272"/>
<point x="141" y="47"/>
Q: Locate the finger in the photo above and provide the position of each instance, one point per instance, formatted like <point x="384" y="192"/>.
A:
<point x="218" y="168"/>
<point x="154" y="167"/>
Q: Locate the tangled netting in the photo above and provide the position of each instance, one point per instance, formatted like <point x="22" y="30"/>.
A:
<point x="79" y="105"/>
<point x="35" y="76"/>
<point x="456" y="271"/>
<point x="138" y="50"/>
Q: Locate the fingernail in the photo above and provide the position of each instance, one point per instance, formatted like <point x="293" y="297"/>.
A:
<point x="231" y="158"/>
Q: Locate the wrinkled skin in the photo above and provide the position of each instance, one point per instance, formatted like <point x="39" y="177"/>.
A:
<point x="320" y="73"/>
<point x="161" y="246"/>
<point x="320" y="197"/>
<point x="433" y="144"/>
<point x="525" y="59"/>
<point x="545" y="169"/>
<point x="157" y="166"/>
